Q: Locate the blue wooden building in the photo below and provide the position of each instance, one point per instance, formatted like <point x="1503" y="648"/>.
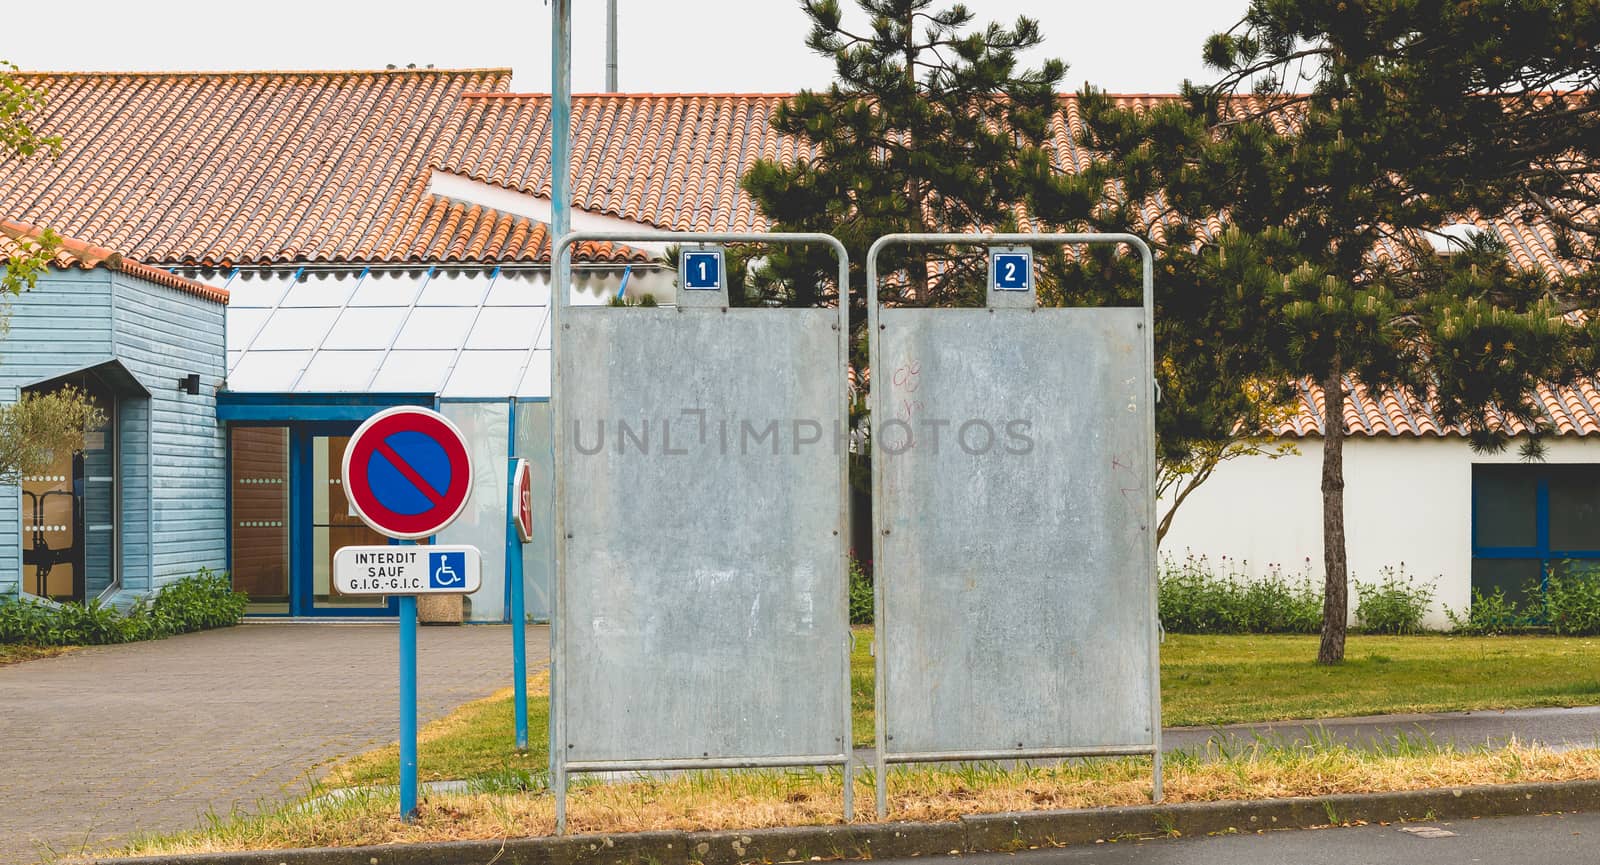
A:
<point x="145" y="503"/>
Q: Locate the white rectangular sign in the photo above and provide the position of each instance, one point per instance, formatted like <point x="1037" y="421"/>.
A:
<point x="443" y="569"/>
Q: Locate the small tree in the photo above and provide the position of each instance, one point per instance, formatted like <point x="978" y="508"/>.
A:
<point x="37" y="426"/>
<point x="1317" y="267"/>
<point x="19" y="139"/>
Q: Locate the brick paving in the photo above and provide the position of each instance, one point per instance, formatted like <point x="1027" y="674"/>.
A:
<point x="107" y="742"/>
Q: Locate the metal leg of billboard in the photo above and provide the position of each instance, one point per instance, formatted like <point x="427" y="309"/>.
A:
<point x="700" y="608"/>
<point x="1013" y="497"/>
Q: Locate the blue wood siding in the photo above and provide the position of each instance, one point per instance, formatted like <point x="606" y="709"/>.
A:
<point x="171" y="475"/>
<point x="161" y="335"/>
<point x="62" y="325"/>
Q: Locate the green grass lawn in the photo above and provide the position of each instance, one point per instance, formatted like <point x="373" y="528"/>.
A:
<point x="1233" y="679"/>
<point x="1204" y="680"/>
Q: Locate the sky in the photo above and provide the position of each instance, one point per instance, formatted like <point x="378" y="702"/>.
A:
<point x="1128" y="46"/>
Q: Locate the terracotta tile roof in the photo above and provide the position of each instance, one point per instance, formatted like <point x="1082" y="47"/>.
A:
<point x="282" y="167"/>
<point x="674" y="160"/>
<point x="1571" y="410"/>
<point x="87" y="256"/>
<point x="670" y="160"/>
<point x="224" y="168"/>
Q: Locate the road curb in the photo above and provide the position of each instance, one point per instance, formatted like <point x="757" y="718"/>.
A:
<point x="986" y="833"/>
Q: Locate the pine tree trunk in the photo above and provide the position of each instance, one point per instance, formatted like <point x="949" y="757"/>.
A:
<point x="919" y="260"/>
<point x="1336" y="596"/>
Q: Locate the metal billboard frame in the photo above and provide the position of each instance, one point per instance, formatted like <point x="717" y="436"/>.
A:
<point x="883" y="757"/>
<point x="560" y="300"/>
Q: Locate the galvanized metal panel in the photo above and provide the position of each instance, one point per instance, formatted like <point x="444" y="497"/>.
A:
<point x="703" y="609"/>
<point x="1014" y="556"/>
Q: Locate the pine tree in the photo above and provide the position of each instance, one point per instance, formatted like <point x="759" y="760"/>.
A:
<point x="1322" y="269"/>
<point x="930" y="125"/>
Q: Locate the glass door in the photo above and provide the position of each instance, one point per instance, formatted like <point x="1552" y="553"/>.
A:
<point x="69" y="508"/>
<point x="333" y="525"/>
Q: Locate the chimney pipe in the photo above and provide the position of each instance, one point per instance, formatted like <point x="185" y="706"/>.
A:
<point x="611" y="46"/>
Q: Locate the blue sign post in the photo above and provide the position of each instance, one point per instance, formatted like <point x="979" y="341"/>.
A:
<point x="407" y="474"/>
<point x="408" y="707"/>
<point x="519" y="526"/>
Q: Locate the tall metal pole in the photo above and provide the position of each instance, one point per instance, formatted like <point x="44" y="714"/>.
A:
<point x="561" y="278"/>
<point x="611" y="46"/>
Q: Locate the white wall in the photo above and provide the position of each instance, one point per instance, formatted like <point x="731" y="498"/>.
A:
<point x="1407" y="500"/>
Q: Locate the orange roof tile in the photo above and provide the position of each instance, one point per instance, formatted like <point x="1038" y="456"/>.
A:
<point x="227" y="168"/>
<point x="87" y="256"/>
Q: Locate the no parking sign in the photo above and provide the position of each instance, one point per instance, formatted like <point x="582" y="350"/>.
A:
<point x="407" y="473"/>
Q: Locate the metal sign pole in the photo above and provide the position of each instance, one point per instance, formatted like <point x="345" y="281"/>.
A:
<point x="519" y="614"/>
<point x="561" y="274"/>
<point x="408" y="707"/>
<point x="880" y="411"/>
<point x="559" y="745"/>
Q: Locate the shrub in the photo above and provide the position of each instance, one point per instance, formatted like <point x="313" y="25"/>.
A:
<point x="1394" y="605"/>
<point x="1490" y="615"/>
<point x="1572" y="601"/>
<point x="1193" y="599"/>
<point x="205" y="600"/>
<point x="860" y="593"/>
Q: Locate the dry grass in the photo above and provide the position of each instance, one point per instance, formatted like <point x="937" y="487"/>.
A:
<point x="747" y="800"/>
<point x="472" y="741"/>
<point x="16" y="653"/>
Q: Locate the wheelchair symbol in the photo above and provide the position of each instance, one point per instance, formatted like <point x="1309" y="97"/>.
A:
<point x="448" y="570"/>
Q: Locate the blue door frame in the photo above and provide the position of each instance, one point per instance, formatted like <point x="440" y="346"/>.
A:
<point x="302" y="548"/>
<point x="307" y="416"/>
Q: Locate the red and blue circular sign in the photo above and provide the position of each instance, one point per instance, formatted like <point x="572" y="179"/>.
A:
<point x="407" y="473"/>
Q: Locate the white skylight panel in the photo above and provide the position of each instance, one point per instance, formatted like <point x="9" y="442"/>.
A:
<point x="322" y="289"/>
<point x="246" y="290"/>
<point x="485" y="374"/>
<point x="436" y="327"/>
<point x="295" y="328"/>
<point x="244" y="322"/>
<point x="409" y="371"/>
<point x="386" y="288"/>
<point x="455" y="289"/>
<point x="339" y="371"/>
<point x="267" y="371"/>
<point x="507" y="327"/>
<point x="520" y="289"/>
<point x="366" y="327"/>
<point x="536" y="381"/>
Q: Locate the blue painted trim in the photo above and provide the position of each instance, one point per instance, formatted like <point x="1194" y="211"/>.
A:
<point x="314" y="408"/>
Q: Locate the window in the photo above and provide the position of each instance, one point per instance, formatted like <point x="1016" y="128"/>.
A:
<point x="1527" y="520"/>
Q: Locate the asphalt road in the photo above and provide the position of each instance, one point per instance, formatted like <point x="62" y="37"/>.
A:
<point x="1545" y="840"/>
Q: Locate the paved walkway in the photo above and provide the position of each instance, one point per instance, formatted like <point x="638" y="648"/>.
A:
<point x="106" y="742"/>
